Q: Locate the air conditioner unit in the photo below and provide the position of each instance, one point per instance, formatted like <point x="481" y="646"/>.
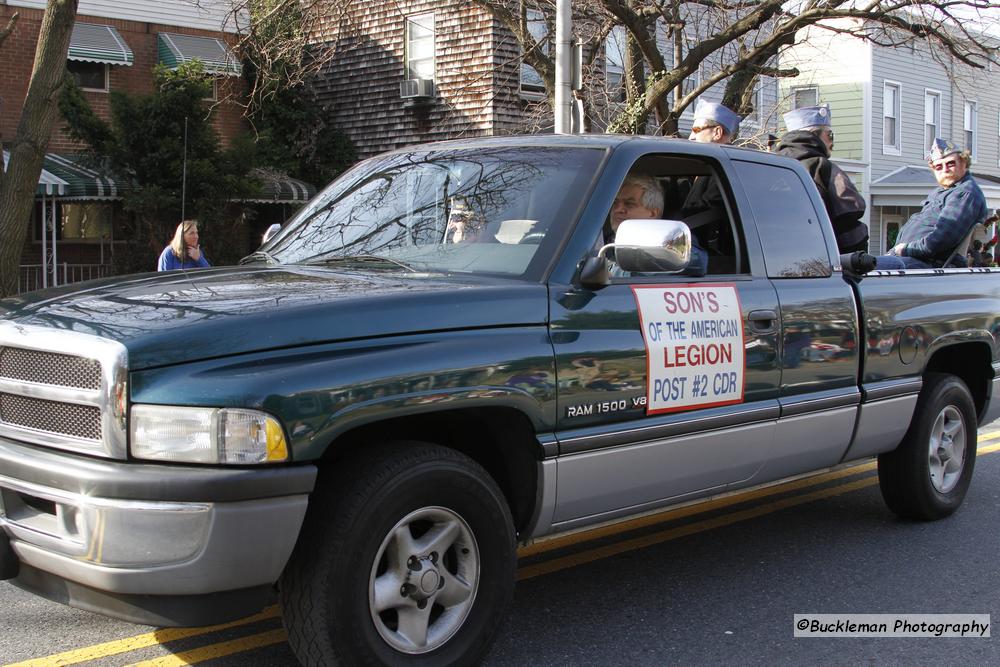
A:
<point x="416" y="88"/>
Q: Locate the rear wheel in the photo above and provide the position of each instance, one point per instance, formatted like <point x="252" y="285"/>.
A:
<point x="407" y="558"/>
<point x="927" y="476"/>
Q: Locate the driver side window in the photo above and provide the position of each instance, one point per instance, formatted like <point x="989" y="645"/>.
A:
<point x="682" y="188"/>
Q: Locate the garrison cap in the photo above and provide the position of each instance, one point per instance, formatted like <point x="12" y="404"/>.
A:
<point x="718" y="113"/>
<point x="942" y="148"/>
<point x="804" y="117"/>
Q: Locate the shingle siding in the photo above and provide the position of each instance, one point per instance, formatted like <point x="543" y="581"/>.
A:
<point x="361" y="81"/>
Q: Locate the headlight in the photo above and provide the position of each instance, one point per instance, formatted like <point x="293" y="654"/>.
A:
<point x="206" y="435"/>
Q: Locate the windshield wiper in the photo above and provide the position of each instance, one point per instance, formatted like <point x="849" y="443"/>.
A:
<point x="260" y="256"/>
<point x="363" y="259"/>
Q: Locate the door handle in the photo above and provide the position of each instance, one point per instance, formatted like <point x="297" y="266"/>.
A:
<point x="762" y="321"/>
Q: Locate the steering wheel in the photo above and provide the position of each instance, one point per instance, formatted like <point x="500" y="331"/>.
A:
<point x="533" y="238"/>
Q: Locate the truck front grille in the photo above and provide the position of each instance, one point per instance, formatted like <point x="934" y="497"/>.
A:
<point x="78" y="421"/>
<point x="63" y="370"/>
<point x="63" y="389"/>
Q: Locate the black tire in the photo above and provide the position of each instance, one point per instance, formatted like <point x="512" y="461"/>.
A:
<point x="927" y="476"/>
<point x="424" y="501"/>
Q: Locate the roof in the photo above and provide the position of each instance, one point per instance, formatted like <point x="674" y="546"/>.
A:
<point x="48" y="183"/>
<point x="82" y="182"/>
<point x="174" y="49"/>
<point x="97" y="43"/>
<point x="910" y="185"/>
<point x="277" y="188"/>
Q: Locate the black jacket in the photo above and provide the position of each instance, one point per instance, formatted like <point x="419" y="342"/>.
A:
<point x="843" y="202"/>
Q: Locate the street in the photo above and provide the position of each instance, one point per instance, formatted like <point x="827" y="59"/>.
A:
<point x="713" y="583"/>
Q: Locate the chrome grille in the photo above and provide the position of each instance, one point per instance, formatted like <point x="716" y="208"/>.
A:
<point x="63" y="389"/>
<point x="78" y="421"/>
<point x="64" y="370"/>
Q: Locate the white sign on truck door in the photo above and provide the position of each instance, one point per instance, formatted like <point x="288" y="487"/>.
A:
<point x="694" y="345"/>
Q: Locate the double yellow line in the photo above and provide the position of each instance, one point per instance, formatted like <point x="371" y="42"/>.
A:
<point x="277" y="635"/>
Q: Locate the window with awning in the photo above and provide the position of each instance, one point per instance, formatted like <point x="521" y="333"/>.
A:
<point x="95" y="43"/>
<point x="174" y="49"/>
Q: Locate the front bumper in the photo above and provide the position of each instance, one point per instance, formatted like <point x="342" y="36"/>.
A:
<point x="136" y="529"/>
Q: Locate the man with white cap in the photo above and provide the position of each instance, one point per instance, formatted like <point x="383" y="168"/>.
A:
<point x="714" y="123"/>
<point x="703" y="208"/>
<point x="809" y="140"/>
<point x="933" y="237"/>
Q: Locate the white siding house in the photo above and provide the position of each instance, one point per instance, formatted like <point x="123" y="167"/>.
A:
<point x="887" y="105"/>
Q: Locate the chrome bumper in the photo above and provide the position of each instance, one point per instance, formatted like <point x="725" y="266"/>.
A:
<point x="224" y="540"/>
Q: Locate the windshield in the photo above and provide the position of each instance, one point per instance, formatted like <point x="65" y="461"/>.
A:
<point x="455" y="211"/>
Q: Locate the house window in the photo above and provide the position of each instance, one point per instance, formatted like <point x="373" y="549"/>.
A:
<point x="971" y="122"/>
<point x="88" y="75"/>
<point x="85" y="222"/>
<point x="420" y="46"/>
<point x="691" y="82"/>
<point x="890" y="118"/>
<point x="757" y="100"/>
<point x="213" y="93"/>
<point x="932" y="117"/>
<point x="806" y="96"/>
<point x="614" y="63"/>
<point x="531" y="80"/>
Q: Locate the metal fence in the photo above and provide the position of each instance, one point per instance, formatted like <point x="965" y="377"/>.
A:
<point x="30" y="276"/>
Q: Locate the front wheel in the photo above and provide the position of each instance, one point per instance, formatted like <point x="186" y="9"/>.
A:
<point x="407" y="557"/>
<point x="927" y="476"/>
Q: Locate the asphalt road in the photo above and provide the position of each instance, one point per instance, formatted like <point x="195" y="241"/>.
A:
<point x="714" y="584"/>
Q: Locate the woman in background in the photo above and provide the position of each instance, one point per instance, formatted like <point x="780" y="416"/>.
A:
<point x="183" y="251"/>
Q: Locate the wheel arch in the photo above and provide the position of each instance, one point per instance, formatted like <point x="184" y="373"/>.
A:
<point x="971" y="362"/>
<point x="500" y="439"/>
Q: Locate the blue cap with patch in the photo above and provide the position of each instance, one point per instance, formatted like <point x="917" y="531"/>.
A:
<point x="942" y="148"/>
<point x="798" y="119"/>
<point x="719" y="113"/>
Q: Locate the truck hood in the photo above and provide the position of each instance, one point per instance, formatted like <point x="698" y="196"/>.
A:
<point x="178" y="316"/>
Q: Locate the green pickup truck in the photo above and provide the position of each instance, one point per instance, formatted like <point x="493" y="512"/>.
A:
<point x="437" y="359"/>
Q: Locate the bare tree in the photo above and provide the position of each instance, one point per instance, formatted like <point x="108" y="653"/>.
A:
<point x="19" y="182"/>
<point x="669" y="42"/>
<point x="276" y="39"/>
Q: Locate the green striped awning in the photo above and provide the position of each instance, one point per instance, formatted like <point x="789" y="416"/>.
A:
<point x="277" y="188"/>
<point x="97" y="43"/>
<point x="49" y="185"/>
<point x="82" y="182"/>
<point x="174" y="49"/>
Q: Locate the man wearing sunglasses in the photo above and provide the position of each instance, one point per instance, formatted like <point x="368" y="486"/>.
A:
<point x="810" y="140"/>
<point x="703" y="208"/>
<point x="934" y="236"/>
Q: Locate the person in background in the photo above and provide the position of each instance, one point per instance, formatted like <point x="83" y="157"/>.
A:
<point x="184" y="251"/>
<point x="809" y="140"/>
<point x="976" y="254"/>
<point x="714" y="123"/>
<point x="933" y="236"/>
<point x="704" y="209"/>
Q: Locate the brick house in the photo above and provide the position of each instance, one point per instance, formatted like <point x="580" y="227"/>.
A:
<point x="115" y="45"/>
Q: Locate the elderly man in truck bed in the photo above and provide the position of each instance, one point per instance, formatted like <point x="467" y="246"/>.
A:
<point x="932" y="237"/>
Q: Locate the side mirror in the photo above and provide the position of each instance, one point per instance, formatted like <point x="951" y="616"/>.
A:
<point x="653" y="246"/>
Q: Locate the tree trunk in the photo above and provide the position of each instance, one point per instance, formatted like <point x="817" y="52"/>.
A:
<point x="38" y="116"/>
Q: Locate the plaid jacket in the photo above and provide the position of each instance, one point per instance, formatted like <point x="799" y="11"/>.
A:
<point x="948" y="215"/>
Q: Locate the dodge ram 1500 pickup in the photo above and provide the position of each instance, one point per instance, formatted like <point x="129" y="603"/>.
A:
<point x="436" y="359"/>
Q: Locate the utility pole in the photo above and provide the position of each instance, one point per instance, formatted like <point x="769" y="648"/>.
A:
<point x="184" y="169"/>
<point x="564" y="67"/>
